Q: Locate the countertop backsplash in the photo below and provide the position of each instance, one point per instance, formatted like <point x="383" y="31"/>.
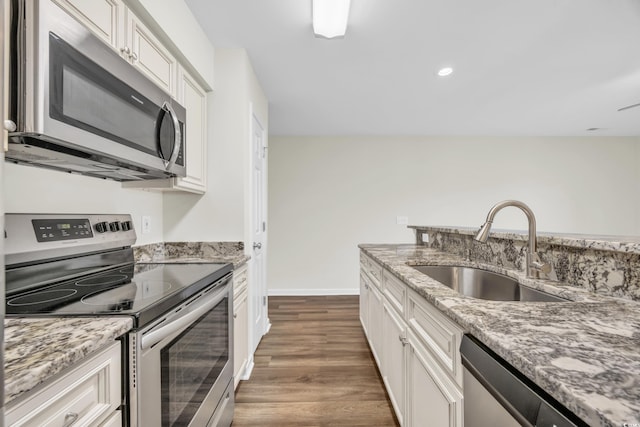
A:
<point x="602" y="264"/>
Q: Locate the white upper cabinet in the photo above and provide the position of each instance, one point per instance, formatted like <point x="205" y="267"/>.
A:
<point x="148" y="55"/>
<point x="103" y="17"/>
<point x="194" y="99"/>
<point x="116" y="25"/>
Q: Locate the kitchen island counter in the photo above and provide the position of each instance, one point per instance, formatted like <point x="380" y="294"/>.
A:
<point x="583" y="352"/>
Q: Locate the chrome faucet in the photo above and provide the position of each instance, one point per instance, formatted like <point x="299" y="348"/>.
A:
<point x="534" y="265"/>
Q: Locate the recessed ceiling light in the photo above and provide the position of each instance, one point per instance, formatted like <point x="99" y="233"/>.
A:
<point x="443" y="72"/>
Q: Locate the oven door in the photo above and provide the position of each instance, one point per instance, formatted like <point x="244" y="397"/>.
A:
<point x="180" y="371"/>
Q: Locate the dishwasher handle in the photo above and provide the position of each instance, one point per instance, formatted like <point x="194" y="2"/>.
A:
<point x="524" y="400"/>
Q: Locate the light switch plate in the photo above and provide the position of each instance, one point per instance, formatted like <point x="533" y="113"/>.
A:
<point x="146" y="224"/>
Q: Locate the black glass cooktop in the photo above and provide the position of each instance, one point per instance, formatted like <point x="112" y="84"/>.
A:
<point x="143" y="291"/>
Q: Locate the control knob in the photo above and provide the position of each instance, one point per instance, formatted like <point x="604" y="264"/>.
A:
<point x="126" y="225"/>
<point x="102" y="227"/>
<point x="114" y="226"/>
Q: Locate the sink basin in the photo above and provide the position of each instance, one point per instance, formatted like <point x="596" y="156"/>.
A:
<point x="477" y="283"/>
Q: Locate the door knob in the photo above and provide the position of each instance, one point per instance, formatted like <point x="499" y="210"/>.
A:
<point x="257" y="245"/>
<point x="9" y="126"/>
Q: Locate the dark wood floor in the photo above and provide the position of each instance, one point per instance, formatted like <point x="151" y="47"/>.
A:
<point x="313" y="368"/>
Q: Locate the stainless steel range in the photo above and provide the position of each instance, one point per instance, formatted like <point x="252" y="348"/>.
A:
<point x="179" y="353"/>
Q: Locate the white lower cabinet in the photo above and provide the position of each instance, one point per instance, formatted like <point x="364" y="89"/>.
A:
<point x="374" y="304"/>
<point x="416" y="348"/>
<point x="433" y="398"/>
<point x="394" y="360"/>
<point x="240" y="325"/>
<point x="87" y="395"/>
<point x="364" y="308"/>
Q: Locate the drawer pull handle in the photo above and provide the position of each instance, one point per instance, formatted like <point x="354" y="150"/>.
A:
<point x="70" y="418"/>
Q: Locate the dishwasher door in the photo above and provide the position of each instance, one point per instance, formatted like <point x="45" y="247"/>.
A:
<point x="495" y="394"/>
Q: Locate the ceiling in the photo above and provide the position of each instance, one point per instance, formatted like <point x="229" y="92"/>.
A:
<point x="521" y="67"/>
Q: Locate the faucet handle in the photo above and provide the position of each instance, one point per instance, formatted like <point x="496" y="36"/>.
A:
<point x="536" y="264"/>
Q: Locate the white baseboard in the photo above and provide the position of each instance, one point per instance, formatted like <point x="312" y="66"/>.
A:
<point x="312" y="292"/>
<point x="246" y="374"/>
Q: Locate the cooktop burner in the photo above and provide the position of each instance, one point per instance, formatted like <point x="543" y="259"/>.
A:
<point x="42" y="297"/>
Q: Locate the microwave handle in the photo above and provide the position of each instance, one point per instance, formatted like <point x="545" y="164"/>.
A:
<point x="178" y="135"/>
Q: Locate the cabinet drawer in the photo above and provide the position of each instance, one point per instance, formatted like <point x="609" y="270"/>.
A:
<point x="395" y="291"/>
<point x="87" y="394"/>
<point x="439" y="334"/>
<point x="372" y="268"/>
<point x="240" y="280"/>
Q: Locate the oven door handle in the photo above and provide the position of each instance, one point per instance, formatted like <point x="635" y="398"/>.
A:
<point x="191" y="315"/>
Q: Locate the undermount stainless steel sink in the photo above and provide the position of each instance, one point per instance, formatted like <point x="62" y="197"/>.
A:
<point x="477" y="283"/>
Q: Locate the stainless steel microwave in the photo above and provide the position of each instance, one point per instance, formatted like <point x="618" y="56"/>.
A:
<point x="76" y="105"/>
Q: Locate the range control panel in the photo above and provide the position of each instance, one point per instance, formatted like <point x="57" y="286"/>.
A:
<point x="51" y="230"/>
<point x="34" y="237"/>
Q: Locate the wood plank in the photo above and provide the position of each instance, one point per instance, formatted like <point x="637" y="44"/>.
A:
<point x="313" y="368"/>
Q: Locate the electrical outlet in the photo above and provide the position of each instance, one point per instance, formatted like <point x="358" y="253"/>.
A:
<point x="402" y="220"/>
<point x="146" y="224"/>
<point x="425" y="237"/>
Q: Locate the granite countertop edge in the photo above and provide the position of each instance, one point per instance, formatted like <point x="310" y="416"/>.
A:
<point x="237" y="260"/>
<point x="583" y="352"/>
<point x="34" y="352"/>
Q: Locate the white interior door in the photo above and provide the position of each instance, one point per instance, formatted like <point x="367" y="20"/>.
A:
<point x="258" y="285"/>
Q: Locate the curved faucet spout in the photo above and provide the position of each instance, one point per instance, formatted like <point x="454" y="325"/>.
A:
<point x="534" y="265"/>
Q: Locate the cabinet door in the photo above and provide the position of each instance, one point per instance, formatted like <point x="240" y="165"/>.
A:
<point x="104" y="18"/>
<point x="394" y="343"/>
<point x="375" y="323"/>
<point x="149" y="55"/>
<point x="434" y="399"/>
<point x="240" y="338"/>
<point x="194" y="99"/>
<point x="364" y="300"/>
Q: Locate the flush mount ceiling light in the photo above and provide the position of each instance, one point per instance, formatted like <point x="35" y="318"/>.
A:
<point x="330" y="17"/>
<point x="444" y="72"/>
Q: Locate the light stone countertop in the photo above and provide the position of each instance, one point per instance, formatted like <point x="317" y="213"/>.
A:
<point x="585" y="353"/>
<point x="38" y="348"/>
<point x="192" y="252"/>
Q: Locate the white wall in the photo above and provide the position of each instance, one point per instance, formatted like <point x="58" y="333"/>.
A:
<point x="326" y="195"/>
<point x="34" y="190"/>
<point x="221" y="213"/>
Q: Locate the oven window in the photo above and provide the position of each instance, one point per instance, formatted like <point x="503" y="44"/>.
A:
<point x="191" y="363"/>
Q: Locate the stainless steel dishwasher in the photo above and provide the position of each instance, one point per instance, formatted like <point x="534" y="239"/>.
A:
<point x="496" y="394"/>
